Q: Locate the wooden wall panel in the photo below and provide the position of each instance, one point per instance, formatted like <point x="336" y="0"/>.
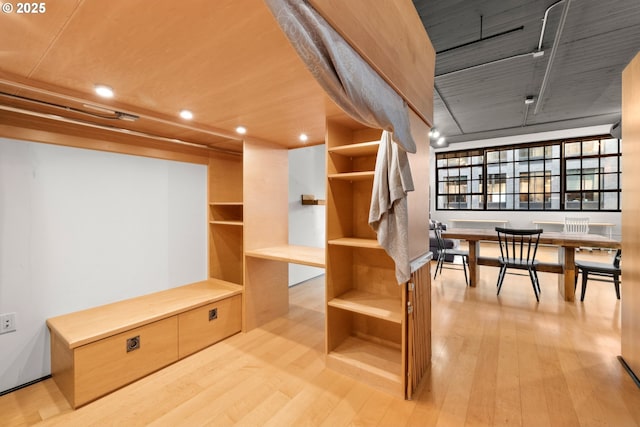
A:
<point x="266" y="195"/>
<point x="404" y="58"/>
<point x="630" y="213"/>
<point x="266" y="211"/>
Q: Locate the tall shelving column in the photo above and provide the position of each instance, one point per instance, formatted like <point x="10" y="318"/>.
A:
<point x="226" y="213"/>
<point x="266" y="180"/>
<point x="365" y="316"/>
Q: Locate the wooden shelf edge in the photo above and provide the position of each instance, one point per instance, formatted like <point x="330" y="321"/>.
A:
<point x="234" y="223"/>
<point x="369" y="304"/>
<point x="304" y="255"/>
<point x="354" y="150"/>
<point x="355" y="242"/>
<point x="352" y="176"/>
<point x="226" y="203"/>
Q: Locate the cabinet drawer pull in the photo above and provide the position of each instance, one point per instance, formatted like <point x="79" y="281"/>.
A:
<point x="133" y="343"/>
<point x="213" y="314"/>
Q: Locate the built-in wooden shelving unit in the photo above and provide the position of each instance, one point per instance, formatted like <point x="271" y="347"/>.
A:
<point x="365" y="309"/>
<point x="377" y="329"/>
<point x="226" y="217"/>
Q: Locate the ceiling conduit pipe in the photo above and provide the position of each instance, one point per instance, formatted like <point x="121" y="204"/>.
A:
<point x="554" y="49"/>
<point x="538" y="52"/>
<point x="544" y="21"/>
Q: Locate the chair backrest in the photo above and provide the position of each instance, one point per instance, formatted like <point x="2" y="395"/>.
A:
<point x="577" y="225"/>
<point x="518" y="245"/>
<point x="617" y="258"/>
<point x="438" y="232"/>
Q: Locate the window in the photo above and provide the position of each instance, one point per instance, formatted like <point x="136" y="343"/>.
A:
<point x="557" y="175"/>
<point x="460" y="181"/>
<point x="535" y="190"/>
<point x="497" y="191"/>
<point x="592" y="179"/>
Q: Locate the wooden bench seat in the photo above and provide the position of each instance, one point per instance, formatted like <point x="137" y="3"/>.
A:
<point x="101" y="349"/>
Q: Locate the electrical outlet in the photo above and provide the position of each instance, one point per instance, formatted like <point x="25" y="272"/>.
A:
<point x="7" y="323"/>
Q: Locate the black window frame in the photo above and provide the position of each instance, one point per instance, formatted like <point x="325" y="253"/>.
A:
<point x="547" y="159"/>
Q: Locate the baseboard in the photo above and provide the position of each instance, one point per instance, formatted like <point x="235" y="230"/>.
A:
<point x="11" y="390"/>
<point x="629" y="371"/>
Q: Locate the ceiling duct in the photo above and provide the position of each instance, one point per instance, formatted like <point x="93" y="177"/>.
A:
<point x="552" y="55"/>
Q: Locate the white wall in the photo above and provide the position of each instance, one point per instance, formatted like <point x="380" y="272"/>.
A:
<point x="81" y="228"/>
<point x="306" y="223"/>
<point x="522" y="219"/>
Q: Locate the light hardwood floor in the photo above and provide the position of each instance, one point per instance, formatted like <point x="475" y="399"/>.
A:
<point x="496" y="361"/>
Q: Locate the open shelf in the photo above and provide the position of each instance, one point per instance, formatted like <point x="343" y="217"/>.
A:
<point x="376" y="363"/>
<point x="370" y="304"/>
<point x="228" y="213"/>
<point x="305" y="255"/>
<point x="357" y="150"/>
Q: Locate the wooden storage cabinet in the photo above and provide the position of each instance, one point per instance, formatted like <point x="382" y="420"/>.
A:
<point x="201" y="327"/>
<point x="106" y="365"/>
<point x="101" y="349"/>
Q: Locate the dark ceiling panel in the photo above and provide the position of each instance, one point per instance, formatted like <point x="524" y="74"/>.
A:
<point x="482" y="81"/>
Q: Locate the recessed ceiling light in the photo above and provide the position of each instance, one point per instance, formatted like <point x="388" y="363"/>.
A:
<point x="303" y="137"/>
<point x="186" y="114"/>
<point x="441" y="140"/>
<point x="529" y="100"/>
<point x="241" y="130"/>
<point x="435" y="133"/>
<point x="104" y="91"/>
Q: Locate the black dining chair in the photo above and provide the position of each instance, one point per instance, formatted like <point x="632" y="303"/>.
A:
<point x="518" y="251"/>
<point x="445" y="254"/>
<point x="603" y="272"/>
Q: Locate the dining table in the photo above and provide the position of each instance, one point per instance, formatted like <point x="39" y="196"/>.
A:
<point x="567" y="244"/>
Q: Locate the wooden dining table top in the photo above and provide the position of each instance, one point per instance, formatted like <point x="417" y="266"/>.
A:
<point x="557" y="238"/>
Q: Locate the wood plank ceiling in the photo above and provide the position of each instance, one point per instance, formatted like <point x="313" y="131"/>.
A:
<point x="224" y="60"/>
<point x="482" y="81"/>
<point x="229" y="63"/>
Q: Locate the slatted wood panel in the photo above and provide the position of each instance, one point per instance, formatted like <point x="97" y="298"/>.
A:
<point x="419" y="328"/>
<point x="630" y="212"/>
